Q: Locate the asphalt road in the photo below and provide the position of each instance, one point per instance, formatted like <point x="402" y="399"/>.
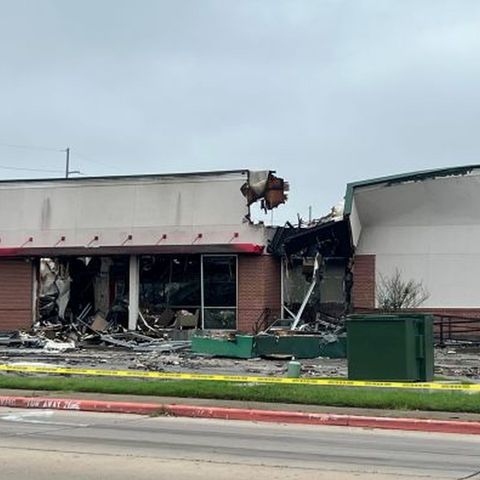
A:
<point x="55" y="445"/>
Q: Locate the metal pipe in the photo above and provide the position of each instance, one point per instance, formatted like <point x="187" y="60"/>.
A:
<point x="298" y="317"/>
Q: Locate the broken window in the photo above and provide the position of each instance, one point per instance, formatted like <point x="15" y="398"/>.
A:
<point x="220" y="291"/>
<point x="296" y="283"/>
<point x="170" y="283"/>
<point x="176" y="291"/>
<point x="329" y="295"/>
<point x="70" y="289"/>
<point x="332" y="289"/>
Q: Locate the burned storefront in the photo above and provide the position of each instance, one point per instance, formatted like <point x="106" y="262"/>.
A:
<point x="316" y="297"/>
<point x="316" y="272"/>
<point x="147" y="253"/>
<point x="77" y="291"/>
<point x="176" y="291"/>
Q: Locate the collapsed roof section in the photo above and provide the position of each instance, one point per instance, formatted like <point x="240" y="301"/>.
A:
<point x="330" y="238"/>
<point x="265" y="186"/>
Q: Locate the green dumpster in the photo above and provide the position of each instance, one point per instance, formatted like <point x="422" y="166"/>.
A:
<point x="394" y="347"/>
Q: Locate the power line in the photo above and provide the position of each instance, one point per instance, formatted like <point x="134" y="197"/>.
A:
<point x="8" y="167"/>
<point x="51" y="149"/>
<point x="31" y="147"/>
<point x="58" y="150"/>
<point x="43" y="170"/>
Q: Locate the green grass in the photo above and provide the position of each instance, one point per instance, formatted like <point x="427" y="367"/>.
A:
<point x="295" y="394"/>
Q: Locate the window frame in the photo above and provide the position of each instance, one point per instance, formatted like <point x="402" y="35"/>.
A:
<point x="202" y="291"/>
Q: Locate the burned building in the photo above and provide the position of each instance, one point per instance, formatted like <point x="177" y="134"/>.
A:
<point x="176" y="250"/>
<point x="420" y="227"/>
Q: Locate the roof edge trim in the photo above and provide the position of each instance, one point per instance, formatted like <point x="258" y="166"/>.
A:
<point x="405" y="177"/>
<point x="205" y="173"/>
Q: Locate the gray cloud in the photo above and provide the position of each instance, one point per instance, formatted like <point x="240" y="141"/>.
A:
<point x="323" y="91"/>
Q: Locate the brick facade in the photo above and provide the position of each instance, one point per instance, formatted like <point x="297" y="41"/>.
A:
<point x="16" y="290"/>
<point x="363" y="293"/>
<point x="259" y="287"/>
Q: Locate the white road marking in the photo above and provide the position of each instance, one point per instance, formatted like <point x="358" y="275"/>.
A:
<point x="32" y="417"/>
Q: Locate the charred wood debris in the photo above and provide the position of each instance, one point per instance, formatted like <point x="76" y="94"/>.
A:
<point x="68" y="317"/>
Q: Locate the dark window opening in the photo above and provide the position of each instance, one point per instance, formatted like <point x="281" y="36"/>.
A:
<point x="220" y="292"/>
<point x="170" y="281"/>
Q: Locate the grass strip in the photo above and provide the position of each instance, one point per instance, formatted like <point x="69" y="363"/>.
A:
<point x="393" y="399"/>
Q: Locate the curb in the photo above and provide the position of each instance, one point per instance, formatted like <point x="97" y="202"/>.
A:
<point x="253" y="415"/>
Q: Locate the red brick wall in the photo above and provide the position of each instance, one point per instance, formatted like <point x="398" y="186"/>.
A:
<point x="259" y="287"/>
<point x="363" y="293"/>
<point x="16" y="289"/>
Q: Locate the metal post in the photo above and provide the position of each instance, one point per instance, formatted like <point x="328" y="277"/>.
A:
<point x="282" y="287"/>
<point x="133" y="292"/>
<point x="67" y="162"/>
<point x="298" y="316"/>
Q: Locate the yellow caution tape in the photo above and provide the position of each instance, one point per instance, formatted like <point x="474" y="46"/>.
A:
<point x="237" y="378"/>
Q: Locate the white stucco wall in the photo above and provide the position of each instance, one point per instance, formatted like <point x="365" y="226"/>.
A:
<point x="147" y="207"/>
<point x="430" y="231"/>
<point x="355" y="224"/>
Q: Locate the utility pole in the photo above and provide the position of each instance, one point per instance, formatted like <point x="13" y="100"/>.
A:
<point x="67" y="162"/>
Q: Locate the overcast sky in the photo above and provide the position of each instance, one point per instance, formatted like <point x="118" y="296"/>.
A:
<point x="323" y="91"/>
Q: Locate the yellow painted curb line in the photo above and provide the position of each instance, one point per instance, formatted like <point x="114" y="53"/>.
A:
<point x="237" y="378"/>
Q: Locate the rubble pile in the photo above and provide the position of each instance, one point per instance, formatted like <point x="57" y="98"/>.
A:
<point x="89" y="330"/>
<point x="125" y="340"/>
<point x="71" y="317"/>
<point x="25" y="340"/>
<point x="167" y="361"/>
<point x="156" y="361"/>
<point x="328" y="325"/>
<point x="459" y="362"/>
